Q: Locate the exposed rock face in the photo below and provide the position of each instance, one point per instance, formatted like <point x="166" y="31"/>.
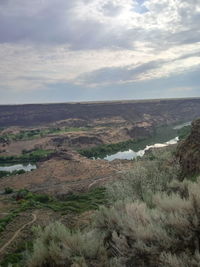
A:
<point x="69" y="141"/>
<point x="63" y="154"/>
<point x="189" y="151"/>
<point x="141" y="130"/>
<point x="86" y="140"/>
<point x="60" y="141"/>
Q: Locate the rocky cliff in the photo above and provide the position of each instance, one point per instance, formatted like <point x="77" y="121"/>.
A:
<point x="189" y="151"/>
<point x="154" y="111"/>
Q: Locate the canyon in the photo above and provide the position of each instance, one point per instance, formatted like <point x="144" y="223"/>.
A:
<point x="53" y="158"/>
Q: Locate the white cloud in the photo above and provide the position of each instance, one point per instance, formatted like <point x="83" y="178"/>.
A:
<point x="93" y="42"/>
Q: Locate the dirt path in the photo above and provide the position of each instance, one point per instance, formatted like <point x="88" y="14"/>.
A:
<point x="17" y="233"/>
<point x="96" y="182"/>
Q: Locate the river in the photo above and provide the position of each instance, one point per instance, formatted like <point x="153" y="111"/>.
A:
<point x="130" y="154"/>
<point x="18" y="167"/>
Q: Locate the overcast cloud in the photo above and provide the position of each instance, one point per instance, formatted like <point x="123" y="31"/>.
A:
<point x="63" y="50"/>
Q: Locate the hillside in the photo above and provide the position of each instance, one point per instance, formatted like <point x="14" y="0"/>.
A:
<point x="132" y="111"/>
<point x="147" y="217"/>
<point x="94" y="205"/>
<point x="189" y="151"/>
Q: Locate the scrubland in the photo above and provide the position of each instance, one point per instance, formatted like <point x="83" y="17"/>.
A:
<point x="151" y="218"/>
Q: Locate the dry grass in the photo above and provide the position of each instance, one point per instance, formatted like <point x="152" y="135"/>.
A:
<point x="153" y="221"/>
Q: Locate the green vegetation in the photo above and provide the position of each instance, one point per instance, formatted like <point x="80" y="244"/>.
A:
<point x="184" y="132"/>
<point x="8" y="190"/>
<point x="8" y="218"/>
<point x="147" y="218"/>
<point x="162" y="134"/>
<point x="72" y="203"/>
<point x="16" y="259"/>
<point x="75" y="203"/>
<point x="150" y="175"/>
<point x="153" y="219"/>
<point x="26" y="199"/>
<point x="4" y="174"/>
<point x="76" y="248"/>
<point x="38" y="133"/>
<point x="80" y="202"/>
<point x="107" y="149"/>
<point x="34" y="156"/>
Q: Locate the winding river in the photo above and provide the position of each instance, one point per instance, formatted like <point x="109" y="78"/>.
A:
<point x="131" y="154"/>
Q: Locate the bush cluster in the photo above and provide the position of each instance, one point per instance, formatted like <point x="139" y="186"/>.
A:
<point x="153" y="220"/>
<point x="150" y="175"/>
<point x="166" y="234"/>
<point x="57" y="246"/>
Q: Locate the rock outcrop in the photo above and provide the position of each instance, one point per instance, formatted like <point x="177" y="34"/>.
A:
<point x="141" y="130"/>
<point x="189" y="151"/>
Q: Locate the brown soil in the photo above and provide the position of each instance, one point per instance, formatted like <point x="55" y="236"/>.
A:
<point x="16" y="148"/>
<point x="57" y="176"/>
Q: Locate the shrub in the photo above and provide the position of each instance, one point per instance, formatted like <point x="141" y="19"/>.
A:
<point x="21" y="194"/>
<point x="42" y="198"/>
<point x="166" y="235"/>
<point x="146" y="178"/>
<point x="8" y="190"/>
<point x="57" y="246"/>
<point x="153" y="220"/>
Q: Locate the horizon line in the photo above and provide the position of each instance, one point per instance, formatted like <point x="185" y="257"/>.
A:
<point x="102" y="101"/>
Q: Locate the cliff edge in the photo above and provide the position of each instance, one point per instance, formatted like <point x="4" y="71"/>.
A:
<point x="188" y="151"/>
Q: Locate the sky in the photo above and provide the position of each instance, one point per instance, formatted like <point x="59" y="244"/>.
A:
<point x="92" y="50"/>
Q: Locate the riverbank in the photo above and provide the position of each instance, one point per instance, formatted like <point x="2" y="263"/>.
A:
<point x="162" y="135"/>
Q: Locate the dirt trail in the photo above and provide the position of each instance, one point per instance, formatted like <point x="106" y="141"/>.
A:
<point x="17" y="233"/>
<point x="97" y="181"/>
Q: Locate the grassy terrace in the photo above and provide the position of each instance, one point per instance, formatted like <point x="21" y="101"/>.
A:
<point x="34" y="156"/>
<point x="38" y="133"/>
<point x="75" y="203"/>
<point x="162" y="134"/>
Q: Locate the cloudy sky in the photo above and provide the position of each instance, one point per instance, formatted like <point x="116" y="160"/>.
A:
<point x="88" y="50"/>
